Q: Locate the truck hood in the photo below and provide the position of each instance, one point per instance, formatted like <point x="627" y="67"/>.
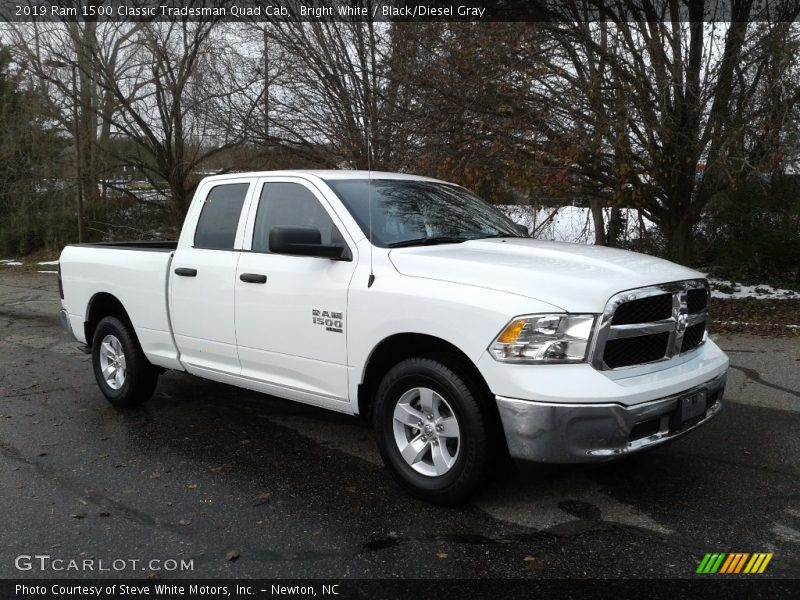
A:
<point x="574" y="277"/>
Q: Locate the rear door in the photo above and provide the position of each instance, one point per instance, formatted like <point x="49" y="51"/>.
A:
<point x="291" y="311"/>
<point x="203" y="276"/>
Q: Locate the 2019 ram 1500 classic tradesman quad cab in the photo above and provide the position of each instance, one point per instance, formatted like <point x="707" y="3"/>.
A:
<point x="413" y="302"/>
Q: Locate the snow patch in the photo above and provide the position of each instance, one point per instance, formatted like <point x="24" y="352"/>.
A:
<point x="10" y="262"/>
<point x="48" y="262"/>
<point x="730" y="289"/>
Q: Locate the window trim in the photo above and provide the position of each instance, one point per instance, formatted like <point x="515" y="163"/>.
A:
<point x="192" y="220"/>
<point x="256" y="191"/>
<point x="200" y="215"/>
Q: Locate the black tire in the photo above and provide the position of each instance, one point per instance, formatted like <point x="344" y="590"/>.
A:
<point x="475" y="449"/>
<point x="140" y="377"/>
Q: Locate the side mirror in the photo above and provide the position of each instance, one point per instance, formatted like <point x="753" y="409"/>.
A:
<point x="303" y="241"/>
<point x="523" y="231"/>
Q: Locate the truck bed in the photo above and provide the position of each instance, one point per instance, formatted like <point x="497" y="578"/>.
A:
<point x="136" y="274"/>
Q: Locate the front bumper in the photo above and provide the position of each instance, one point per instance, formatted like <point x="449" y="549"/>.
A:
<point x="572" y="433"/>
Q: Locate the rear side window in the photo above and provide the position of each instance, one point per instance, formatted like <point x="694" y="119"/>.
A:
<point x="291" y="205"/>
<point x="219" y="219"/>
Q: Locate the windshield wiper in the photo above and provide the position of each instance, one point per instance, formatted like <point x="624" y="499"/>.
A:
<point x="498" y="235"/>
<point x="427" y="241"/>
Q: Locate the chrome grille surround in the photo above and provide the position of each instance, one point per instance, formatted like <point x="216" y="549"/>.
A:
<point x="675" y="325"/>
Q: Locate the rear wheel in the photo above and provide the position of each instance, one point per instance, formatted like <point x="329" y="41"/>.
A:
<point x="431" y="431"/>
<point x="122" y="371"/>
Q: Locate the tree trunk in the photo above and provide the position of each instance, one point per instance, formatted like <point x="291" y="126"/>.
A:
<point x="86" y="49"/>
<point x="266" y="86"/>
<point x="181" y="198"/>
<point x="615" y="226"/>
<point x="599" y="222"/>
<point x="679" y="241"/>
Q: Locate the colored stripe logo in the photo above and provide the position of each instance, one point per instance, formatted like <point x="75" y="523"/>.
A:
<point x="734" y="563"/>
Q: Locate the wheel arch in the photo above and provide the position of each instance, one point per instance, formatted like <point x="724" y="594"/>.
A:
<point x="398" y="347"/>
<point x="101" y="305"/>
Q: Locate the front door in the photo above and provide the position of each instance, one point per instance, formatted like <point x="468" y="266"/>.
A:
<point x="291" y="311"/>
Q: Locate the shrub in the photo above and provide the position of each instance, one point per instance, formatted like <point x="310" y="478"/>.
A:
<point x="752" y="233"/>
<point x="48" y="222"/>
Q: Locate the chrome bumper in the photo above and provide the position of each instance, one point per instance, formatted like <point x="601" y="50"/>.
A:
<point x="573" y="433"/>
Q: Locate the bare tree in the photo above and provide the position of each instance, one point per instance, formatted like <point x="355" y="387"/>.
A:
<point x="657" y="103"/>
<point x="339" y="98"/>
<point x="476" y="120"/>
<point x="176" y="86"/>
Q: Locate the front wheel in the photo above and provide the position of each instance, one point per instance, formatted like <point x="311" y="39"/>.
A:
<point x="122" y="371"/>
<point x="431" y="431"/>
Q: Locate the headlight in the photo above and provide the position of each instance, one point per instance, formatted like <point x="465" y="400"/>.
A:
<point x="544" y="338"/>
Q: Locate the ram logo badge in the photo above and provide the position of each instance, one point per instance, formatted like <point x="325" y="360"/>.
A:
<point x="330" y="320"/>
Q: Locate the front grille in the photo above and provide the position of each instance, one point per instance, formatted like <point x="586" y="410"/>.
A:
<point x="696" y="300"/>
<point x="644" y="310"/>
<point x="636" y="350"/>
<point x="644" y="325"/>
<point x="693" y="336"/>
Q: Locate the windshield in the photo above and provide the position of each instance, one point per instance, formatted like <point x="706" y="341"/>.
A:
<point x="409" y="212"/>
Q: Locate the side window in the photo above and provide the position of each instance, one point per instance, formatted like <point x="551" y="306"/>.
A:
<point x="291" y="205"/>
<point x="219" y="219"/>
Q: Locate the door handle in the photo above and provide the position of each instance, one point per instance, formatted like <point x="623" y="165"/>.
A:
<point x="253" y="278"/>
<point x="184" y="272"/>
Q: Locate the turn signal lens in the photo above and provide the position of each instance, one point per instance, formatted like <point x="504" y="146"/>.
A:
<point x="544" y="338"/>
<point x="512" y="331"/>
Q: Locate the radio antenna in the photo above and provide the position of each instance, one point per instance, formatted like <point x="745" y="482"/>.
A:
<point x="371" y="279"/>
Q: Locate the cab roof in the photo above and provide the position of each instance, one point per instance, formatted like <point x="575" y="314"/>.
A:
<point x="326" y="175"/>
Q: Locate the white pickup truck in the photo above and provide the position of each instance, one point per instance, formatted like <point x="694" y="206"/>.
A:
<point x="412" y="302"/>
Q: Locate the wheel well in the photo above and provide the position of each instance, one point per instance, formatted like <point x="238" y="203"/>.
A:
<point x="399" y="347"/>
<point x="100" y="306"/>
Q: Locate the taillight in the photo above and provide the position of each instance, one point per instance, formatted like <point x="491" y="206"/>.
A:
<point x="60" y="286"/>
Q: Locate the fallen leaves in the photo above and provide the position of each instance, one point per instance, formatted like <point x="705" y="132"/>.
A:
<point x="755" y="316"/>
<point x="533" y="564"/>
<point x="262" y="498"/>
<point x="232" y="555"/>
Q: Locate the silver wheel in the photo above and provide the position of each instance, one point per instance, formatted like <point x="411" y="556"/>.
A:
<point x="112" y="362"/>
<point x="426" y="432"/>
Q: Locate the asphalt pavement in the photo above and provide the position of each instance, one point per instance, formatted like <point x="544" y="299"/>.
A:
<point x="236" y="484"/>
